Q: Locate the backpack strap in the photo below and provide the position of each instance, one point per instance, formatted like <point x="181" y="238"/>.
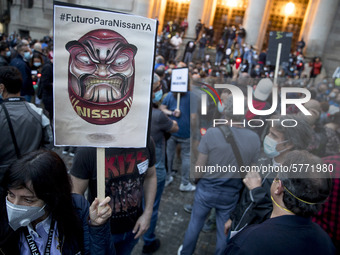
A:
<point x="17" y="150"/>
<point x="229" y="137"/>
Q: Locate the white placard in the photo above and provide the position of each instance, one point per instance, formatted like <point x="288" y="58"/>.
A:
<point x="103" y="63"/>
<point x="179" y="80"/>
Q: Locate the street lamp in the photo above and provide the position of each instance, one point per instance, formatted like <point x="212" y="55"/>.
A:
<point x="289" y="9"/>
<point x="231" y="3"/>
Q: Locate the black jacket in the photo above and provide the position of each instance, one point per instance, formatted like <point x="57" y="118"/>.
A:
<point x="254" y="206"/>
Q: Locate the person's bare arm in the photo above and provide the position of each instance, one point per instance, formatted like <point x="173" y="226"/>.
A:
<point x="79" y="186"/>
<point x="174" y="127"/>
<point x="166" y="111"/>
<point x="201" y="161"/>
<point x="150" y="188"/>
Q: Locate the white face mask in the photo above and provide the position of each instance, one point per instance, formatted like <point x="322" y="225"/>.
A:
<point x="27" y="55"/>
<point x="332" y="94"/>
<point x="269" y="146"/>
<point x="21" y="216"/>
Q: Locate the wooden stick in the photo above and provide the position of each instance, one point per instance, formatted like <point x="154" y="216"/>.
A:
<point x="277" y="63"/>
<point x="178" y="99"/>
<point x="101" y="173"/>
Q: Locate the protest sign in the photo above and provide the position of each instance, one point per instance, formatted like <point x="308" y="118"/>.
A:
<point x="276" y="37"/>
<point x="179" y="82"/>
<point x="103" y="63"/>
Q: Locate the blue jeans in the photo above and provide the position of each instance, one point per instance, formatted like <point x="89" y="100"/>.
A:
<point x="239" y="41"/>
<point x="187" y="57"/>
<point x="173" y="53"/>
<point x="149" y="235"/>
<point x="205" y="199"/>
<point x="219" y="56"/>
<point x="185" y="156"/>
<point x="124" y="243"/>
<point x="201" y="53"/>
<point x="230" y="43"/>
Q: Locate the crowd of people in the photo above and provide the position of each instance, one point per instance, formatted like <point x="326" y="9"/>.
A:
<point x="230" y="46"/>
<point x="43" y="206"/>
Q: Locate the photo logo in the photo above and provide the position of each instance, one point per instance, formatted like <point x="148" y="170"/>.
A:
<point x="239" y="101"/>
<point x="204" y="97"/>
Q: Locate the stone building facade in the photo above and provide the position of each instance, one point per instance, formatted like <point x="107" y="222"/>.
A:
<point x="316" y="21"/>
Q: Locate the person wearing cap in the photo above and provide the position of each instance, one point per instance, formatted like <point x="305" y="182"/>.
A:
<point x="254" y="205"/>
<point x="261" y="94"/>
<point x="295" y="198"/>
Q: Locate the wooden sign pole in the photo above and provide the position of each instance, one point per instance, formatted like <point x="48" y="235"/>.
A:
<point x="178" y="99"/>
<point x="277" y="63"/>
<point x="101" y="173"/>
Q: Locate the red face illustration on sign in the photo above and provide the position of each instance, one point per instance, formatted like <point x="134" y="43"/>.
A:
<point x="101" y="76"/>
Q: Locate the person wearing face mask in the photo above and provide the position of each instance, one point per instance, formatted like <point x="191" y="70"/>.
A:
<point x="36" y="64"/>
<point x="202" y="43"/>
<point x="160" y="124"/>
<point x="255" y="205"/>
<point x="175" y="42"/>
<point x="21" y="61"/>
<point x="256" y="72"/>
<point x="333" y="97"/>
<point x="39" y="215"/>
<point x="5" y="53"/>
<point x="295" y="197"/>
<point x="37" y="50"/>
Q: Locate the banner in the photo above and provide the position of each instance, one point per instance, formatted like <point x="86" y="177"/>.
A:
<point x="103" y="63"/>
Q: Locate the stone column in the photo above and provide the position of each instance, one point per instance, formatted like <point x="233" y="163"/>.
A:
<point x="320" y="27"/>
<point x="253" y="19"/>
<point x="142" y="8"/>
<point x="196" y="11"/>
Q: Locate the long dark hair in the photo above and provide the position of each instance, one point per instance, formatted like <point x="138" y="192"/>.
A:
<point x="45" y="172"/>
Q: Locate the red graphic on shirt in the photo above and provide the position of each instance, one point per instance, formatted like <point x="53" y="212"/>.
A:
<point x="124" y="182"/>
